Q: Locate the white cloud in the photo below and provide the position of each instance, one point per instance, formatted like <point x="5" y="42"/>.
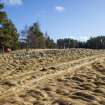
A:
<point x="14" y="2"/>
<point x="60" y="8"/>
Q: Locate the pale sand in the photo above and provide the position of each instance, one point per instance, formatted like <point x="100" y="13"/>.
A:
<point x="53" y="77"/>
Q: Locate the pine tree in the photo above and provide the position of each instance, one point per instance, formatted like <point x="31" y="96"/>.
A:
<point x="35" y="36"/>
<point x="8" y="32"/>
<point x="3" y="17"/>
<point x="49" y="42"/>
<point x="13" y="34"/>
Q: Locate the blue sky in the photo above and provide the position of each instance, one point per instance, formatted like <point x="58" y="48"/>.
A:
<point x="77" y="19"/>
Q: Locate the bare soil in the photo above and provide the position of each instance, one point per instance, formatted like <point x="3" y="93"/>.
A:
<point x="53" y="77"/>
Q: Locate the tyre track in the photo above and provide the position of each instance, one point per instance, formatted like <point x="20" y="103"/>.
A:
<point x="77" y="64"/>
<point x="71" y="63"/>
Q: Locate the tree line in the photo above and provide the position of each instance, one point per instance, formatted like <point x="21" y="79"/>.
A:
<point x="10" y="38"/>
<point x="92" y="43"/>
<point x="33" y="37"/>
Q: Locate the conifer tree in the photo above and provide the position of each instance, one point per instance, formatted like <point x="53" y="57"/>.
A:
<point x="8" y="32"/>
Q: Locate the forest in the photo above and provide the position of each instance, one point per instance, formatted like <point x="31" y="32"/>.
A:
<point x="33" y="37"/>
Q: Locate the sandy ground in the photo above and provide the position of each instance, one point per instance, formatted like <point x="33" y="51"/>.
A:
<point x="53" y="77"/>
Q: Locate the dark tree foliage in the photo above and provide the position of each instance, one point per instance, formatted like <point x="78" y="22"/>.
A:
<point x="96" y="42"/>
<point x="36" y="39"/>
<point x="93" y="43"/>
<point x="8" y="32"/>
<point x="3" y="15"/>
<point x="81" y="44"/>
<point x="49" y="43"/>
<point x="67" y="43"/>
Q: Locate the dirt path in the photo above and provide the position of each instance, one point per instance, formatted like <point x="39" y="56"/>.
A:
<point x="59" y="70"/>
<point x="57" y="66"/>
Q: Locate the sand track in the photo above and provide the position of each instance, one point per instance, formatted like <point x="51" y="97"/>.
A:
<point x="71" y="82"/>
<point x="57" y="66"/>
<point x="70" y="67"/>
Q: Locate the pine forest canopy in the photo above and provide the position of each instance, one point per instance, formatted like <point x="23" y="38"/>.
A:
<point x="92" y="43"/>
